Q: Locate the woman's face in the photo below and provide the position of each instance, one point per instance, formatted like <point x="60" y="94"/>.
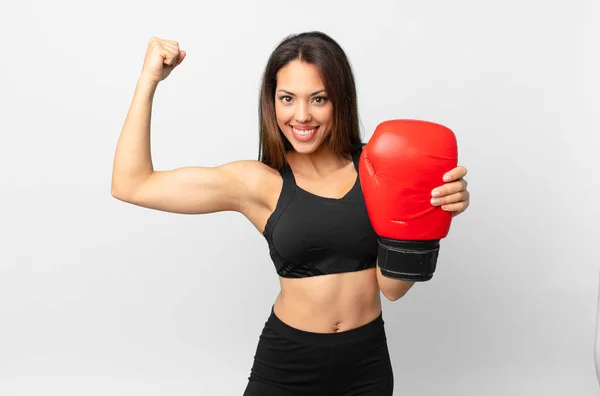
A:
<point x="303" y="110"/>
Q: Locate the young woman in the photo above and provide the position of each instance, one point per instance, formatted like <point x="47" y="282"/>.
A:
<point x="325" y="334"/>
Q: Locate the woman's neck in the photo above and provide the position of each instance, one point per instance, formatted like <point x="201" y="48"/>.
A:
<point x="321" y="162"/>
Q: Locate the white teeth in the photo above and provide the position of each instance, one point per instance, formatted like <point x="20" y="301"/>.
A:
<point x="304" y="132"/>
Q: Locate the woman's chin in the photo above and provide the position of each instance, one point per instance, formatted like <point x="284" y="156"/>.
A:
<point x="306" y="147"/>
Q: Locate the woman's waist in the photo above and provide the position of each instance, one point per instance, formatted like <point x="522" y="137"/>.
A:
<point x="329" y="303"/>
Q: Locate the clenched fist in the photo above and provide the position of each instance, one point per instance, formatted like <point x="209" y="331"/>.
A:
<point x="162" y="56"/>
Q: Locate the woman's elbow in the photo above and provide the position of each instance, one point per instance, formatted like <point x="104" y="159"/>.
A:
<point x="392" y="296"/>
<point x="396" y="289"/>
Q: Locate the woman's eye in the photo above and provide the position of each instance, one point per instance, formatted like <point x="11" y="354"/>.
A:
<point x="318" y="100"/>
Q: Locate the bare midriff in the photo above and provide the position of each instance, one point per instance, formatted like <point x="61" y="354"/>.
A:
<point x="329" y="303"/>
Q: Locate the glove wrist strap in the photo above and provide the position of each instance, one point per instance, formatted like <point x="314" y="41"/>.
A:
<point x="408" y="260"/>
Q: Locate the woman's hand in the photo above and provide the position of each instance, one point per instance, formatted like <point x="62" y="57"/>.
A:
<point x="453" y="195"/>
<point x="162" y="56"/>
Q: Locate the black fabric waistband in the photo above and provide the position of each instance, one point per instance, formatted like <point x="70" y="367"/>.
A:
<point x="360" y="333"/>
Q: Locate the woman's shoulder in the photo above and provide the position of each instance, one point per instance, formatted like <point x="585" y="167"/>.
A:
<point x="253" y="166"/>
<point x="261" y="183"/>
<point x="256" y="175"/>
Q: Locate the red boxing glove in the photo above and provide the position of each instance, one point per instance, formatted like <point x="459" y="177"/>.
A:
<point x="399" y="167"/>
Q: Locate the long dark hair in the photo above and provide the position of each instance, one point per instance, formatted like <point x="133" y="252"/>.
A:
<point x="318" y="49"/>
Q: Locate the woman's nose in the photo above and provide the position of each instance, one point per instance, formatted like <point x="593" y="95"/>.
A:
<point x="302" y="113"/>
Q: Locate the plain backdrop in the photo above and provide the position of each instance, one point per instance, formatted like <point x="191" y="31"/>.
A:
<point x="100" y="297"/>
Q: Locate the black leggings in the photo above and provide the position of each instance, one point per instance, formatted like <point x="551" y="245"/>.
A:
<point x="289" y="361"/>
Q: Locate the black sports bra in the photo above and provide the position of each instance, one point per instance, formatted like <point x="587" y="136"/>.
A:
<point x="310" y="235"/>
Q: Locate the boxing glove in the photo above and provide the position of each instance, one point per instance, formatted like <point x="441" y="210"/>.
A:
<point x="399" y="167"/>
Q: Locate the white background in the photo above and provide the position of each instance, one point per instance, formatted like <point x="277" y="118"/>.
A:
<point x="99" y="297"/>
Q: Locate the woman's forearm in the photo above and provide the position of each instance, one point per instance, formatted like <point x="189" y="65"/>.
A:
<point x="133" y="161"/>
<point x="392" y="289"/>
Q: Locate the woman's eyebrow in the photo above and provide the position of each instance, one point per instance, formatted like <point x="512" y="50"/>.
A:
<point x="292" y="94"/>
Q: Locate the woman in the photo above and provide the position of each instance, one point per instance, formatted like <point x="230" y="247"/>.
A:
<point x="325" y="334"/>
